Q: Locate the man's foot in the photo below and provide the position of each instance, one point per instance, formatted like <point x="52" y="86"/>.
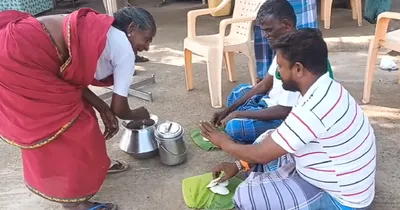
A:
<point x="141" y="59"/>
<point x="258" y="80"/>
<point x="90" y="206"/>
<point x="117" y="166"/>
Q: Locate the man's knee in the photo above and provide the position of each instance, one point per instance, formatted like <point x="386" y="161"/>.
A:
<point x="258" y="196"/>
<point x="244" y="200"/>
<point x="241" y="89"/>
<point x="237" y="131"/>
<point x="231" y="129"/>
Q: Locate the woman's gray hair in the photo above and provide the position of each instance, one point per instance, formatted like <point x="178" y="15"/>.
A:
<point x="143" y="20"/>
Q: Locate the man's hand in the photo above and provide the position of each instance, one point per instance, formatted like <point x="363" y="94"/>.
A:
<point x="229" y="118"/>
<point x="219" y="116"/>
<point x="215" y="136"/>
<point x="110" y="123"/>
<point x="230" y="170"/>
<point x="141" y="113"/>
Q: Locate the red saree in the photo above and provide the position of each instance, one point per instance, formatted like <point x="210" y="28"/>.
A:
<point x="42" y="109"/>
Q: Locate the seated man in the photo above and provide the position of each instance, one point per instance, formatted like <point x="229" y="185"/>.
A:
<point x="323" y="156"/>
<point x="306" y="15"/>
<point x="253" y="110"/>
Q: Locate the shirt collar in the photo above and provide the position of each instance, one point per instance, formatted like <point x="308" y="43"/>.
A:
<point x="322" y="80"/>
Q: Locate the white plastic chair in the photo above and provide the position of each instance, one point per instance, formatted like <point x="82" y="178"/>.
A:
<point x="112" y="6"/>
<point x="218" y="46"/>
<point x="382" y="38"/>
<point x="326" y="12"/>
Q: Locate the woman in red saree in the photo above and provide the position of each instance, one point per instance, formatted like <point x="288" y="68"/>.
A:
<point x="47" y="110"/>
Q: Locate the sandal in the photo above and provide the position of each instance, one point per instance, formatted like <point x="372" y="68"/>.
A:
<point x="90" y="206"/>
<point x="104" y="206"/>
<point x="141" y="59"/>
<point x="117" y="166"/>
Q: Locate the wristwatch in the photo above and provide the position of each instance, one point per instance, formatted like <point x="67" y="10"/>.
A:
<point x="239" y="165"/>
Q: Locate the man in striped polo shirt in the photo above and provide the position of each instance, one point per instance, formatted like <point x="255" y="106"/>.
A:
<point x="323" y="156"/>
<point x="251" y="110"/>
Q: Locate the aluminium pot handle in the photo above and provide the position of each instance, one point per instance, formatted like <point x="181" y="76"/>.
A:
<point x="167" y="129"/>
<point x="165" y="149"/>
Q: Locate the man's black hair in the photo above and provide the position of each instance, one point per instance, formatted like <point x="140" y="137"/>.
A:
<point x="305" y="46"/>
<point x="278" y="9"/>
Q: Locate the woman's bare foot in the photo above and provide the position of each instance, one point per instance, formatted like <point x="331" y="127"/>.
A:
<point x="89" y="206"/>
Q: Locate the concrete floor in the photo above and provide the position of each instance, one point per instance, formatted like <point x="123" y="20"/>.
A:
<point x="150" y="185"/>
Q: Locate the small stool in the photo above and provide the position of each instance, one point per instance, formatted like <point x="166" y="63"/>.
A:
<point x="133" y="90"/>
<point x="163" y="3"/>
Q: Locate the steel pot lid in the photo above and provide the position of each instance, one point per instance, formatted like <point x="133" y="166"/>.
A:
<point x="169" y="130"/>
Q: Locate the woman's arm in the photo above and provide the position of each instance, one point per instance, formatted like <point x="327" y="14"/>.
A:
<point x="109" y="120"/>
<point x="122" y="57"/>
<point x="94" y="100"/>
<point x="120" y="107"/>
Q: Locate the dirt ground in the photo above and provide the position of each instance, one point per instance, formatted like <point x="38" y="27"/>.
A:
<point x="150" y="185"/>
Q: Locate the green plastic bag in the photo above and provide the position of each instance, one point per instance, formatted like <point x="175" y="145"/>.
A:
<point x="375" y="7"/>
<point x="198" y="196"/>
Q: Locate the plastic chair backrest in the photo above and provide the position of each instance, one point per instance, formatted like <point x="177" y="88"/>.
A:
<point x="244" y="8"/>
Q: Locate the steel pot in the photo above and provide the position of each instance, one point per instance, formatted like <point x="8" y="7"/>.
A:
<point x="139" y="143"/>
<point x="171" y="145"/>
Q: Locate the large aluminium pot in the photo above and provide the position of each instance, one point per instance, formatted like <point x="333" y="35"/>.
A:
<point x="139" y="143"/>
<point x="171" y="145"/>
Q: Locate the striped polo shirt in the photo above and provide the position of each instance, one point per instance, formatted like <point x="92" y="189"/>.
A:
<point x="333" y="143"/>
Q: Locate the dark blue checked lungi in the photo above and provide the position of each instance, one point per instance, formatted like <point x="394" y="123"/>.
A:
<point x="245" y="130"/>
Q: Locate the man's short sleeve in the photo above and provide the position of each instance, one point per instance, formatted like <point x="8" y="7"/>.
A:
<point x="273" y="67"/>
<point x="299" y="128"/>
<point x="124" y="67"/>
<point x="288" y="98"/>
